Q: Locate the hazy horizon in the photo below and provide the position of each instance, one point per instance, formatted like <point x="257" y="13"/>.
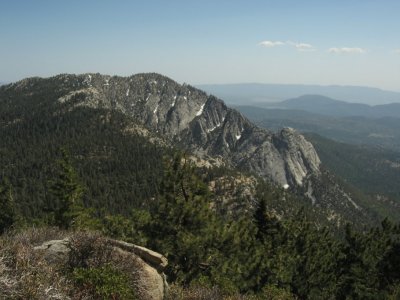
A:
<point x="223" y="83"/>
<point x="228" y="42"/>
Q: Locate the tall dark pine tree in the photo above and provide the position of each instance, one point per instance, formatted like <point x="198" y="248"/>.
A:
<point x="7" y="211"/>
<point x="260" y="215"/>
<point x="269" y="228"/>
<point x="67" y="192"/>
<point x="182" y="221"/>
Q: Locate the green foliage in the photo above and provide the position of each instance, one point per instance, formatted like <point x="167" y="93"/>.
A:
<point x="371" y="169"/>
<point x="129" y="229"/>
<point x="241" y="260"/>
<point x="363" y="152"/>
<point x="67" y="193"/>
<point x="268" y="225"/>
<point x="7" y="209"/>
<point x="374" y="253"/>
<point x="272" y="292"/>
<point x="120" y="169"/>
<point x="273" y="251"/>
<point x="314" y="255"/>
<point x="182" y="221"/>
<point x="258" y="252"/>
<point x="86" y="218"/>
<point x="106" y="282"/>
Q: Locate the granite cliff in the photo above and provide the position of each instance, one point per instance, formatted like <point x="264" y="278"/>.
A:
<point x="188" y="117"/>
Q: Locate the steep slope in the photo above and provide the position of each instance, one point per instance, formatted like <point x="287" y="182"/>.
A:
<point x="374" y="171"/>
<point x="368" y="174"/>
<point x="188" y="117"/>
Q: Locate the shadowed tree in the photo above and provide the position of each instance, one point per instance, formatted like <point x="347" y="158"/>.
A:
<point x="67" y="192"/>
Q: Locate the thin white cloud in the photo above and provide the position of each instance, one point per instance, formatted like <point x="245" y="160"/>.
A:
<point x="298" y="46"/>
<point x="270" y="44"/>
<point x="397" y="51"/>
<point x="301" y="46"/>
<point x="304" y="47"/>
<point x="347" y="50"/>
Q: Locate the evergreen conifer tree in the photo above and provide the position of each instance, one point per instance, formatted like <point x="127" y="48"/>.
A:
<point x="67" y="192"/>
<point x="182" y="221"/>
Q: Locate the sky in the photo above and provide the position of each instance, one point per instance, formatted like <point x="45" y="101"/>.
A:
<point x="326" y="42"/>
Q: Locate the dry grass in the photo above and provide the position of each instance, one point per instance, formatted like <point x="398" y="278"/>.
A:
<point x="26" y="274"/>
<point x="23" y="273"/>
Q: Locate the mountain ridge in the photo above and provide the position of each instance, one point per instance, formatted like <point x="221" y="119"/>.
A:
<point x="337" y="108"/>
<point x="187" y="118"/>
<point x="358" y="130"/>
<point x="191" y="118"/>
<point x="260" y="93"/>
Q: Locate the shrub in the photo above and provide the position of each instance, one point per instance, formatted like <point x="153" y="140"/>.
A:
<point x="88" y="250"/>
<point x="104" y="282"/>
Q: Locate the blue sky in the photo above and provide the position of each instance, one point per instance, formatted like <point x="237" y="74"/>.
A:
<point x="352" y="42"/>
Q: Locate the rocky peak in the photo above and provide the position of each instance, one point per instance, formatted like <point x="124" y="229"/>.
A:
<point x="192" y="119"/>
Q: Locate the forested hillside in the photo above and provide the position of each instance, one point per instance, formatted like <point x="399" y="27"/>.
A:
<point x="222" y="229"/>
<point x="374" y="172"/>
<point x="119" y="162"/>
<point x="119" y="169"/>
<point x="372" y="169"/>
<point x="255" y="254"/>
<point x="111" y="127"/>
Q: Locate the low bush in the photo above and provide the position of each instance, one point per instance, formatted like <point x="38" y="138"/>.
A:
<point x="104" y="282"/>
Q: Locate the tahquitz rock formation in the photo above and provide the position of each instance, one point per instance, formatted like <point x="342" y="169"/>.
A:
<point x="188" y="117"/>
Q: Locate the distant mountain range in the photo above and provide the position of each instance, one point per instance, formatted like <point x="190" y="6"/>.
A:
<point x="360" y="130"/>
<point x="327" y="106"/>
<point x="353" y="123"/>
<point x="258" y="94"/>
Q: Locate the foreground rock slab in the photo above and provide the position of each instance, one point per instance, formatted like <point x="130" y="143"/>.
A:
<point x="149" y="264"/>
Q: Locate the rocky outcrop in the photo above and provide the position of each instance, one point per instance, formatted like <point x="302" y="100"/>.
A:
<point x="55" y="251"/>
<point x="151" y="281"/>
<point x="157" y="260"/>
<point x="286" y="158"/>
<point x="192" y="119"/>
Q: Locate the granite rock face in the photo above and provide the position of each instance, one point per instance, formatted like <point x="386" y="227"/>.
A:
<point x="192" y="119"/>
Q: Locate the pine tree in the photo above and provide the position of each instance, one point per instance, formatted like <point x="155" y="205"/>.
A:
<point x="182" y="221"/>
<point x="269" y="228"/>
<point x="67" y="192"/>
